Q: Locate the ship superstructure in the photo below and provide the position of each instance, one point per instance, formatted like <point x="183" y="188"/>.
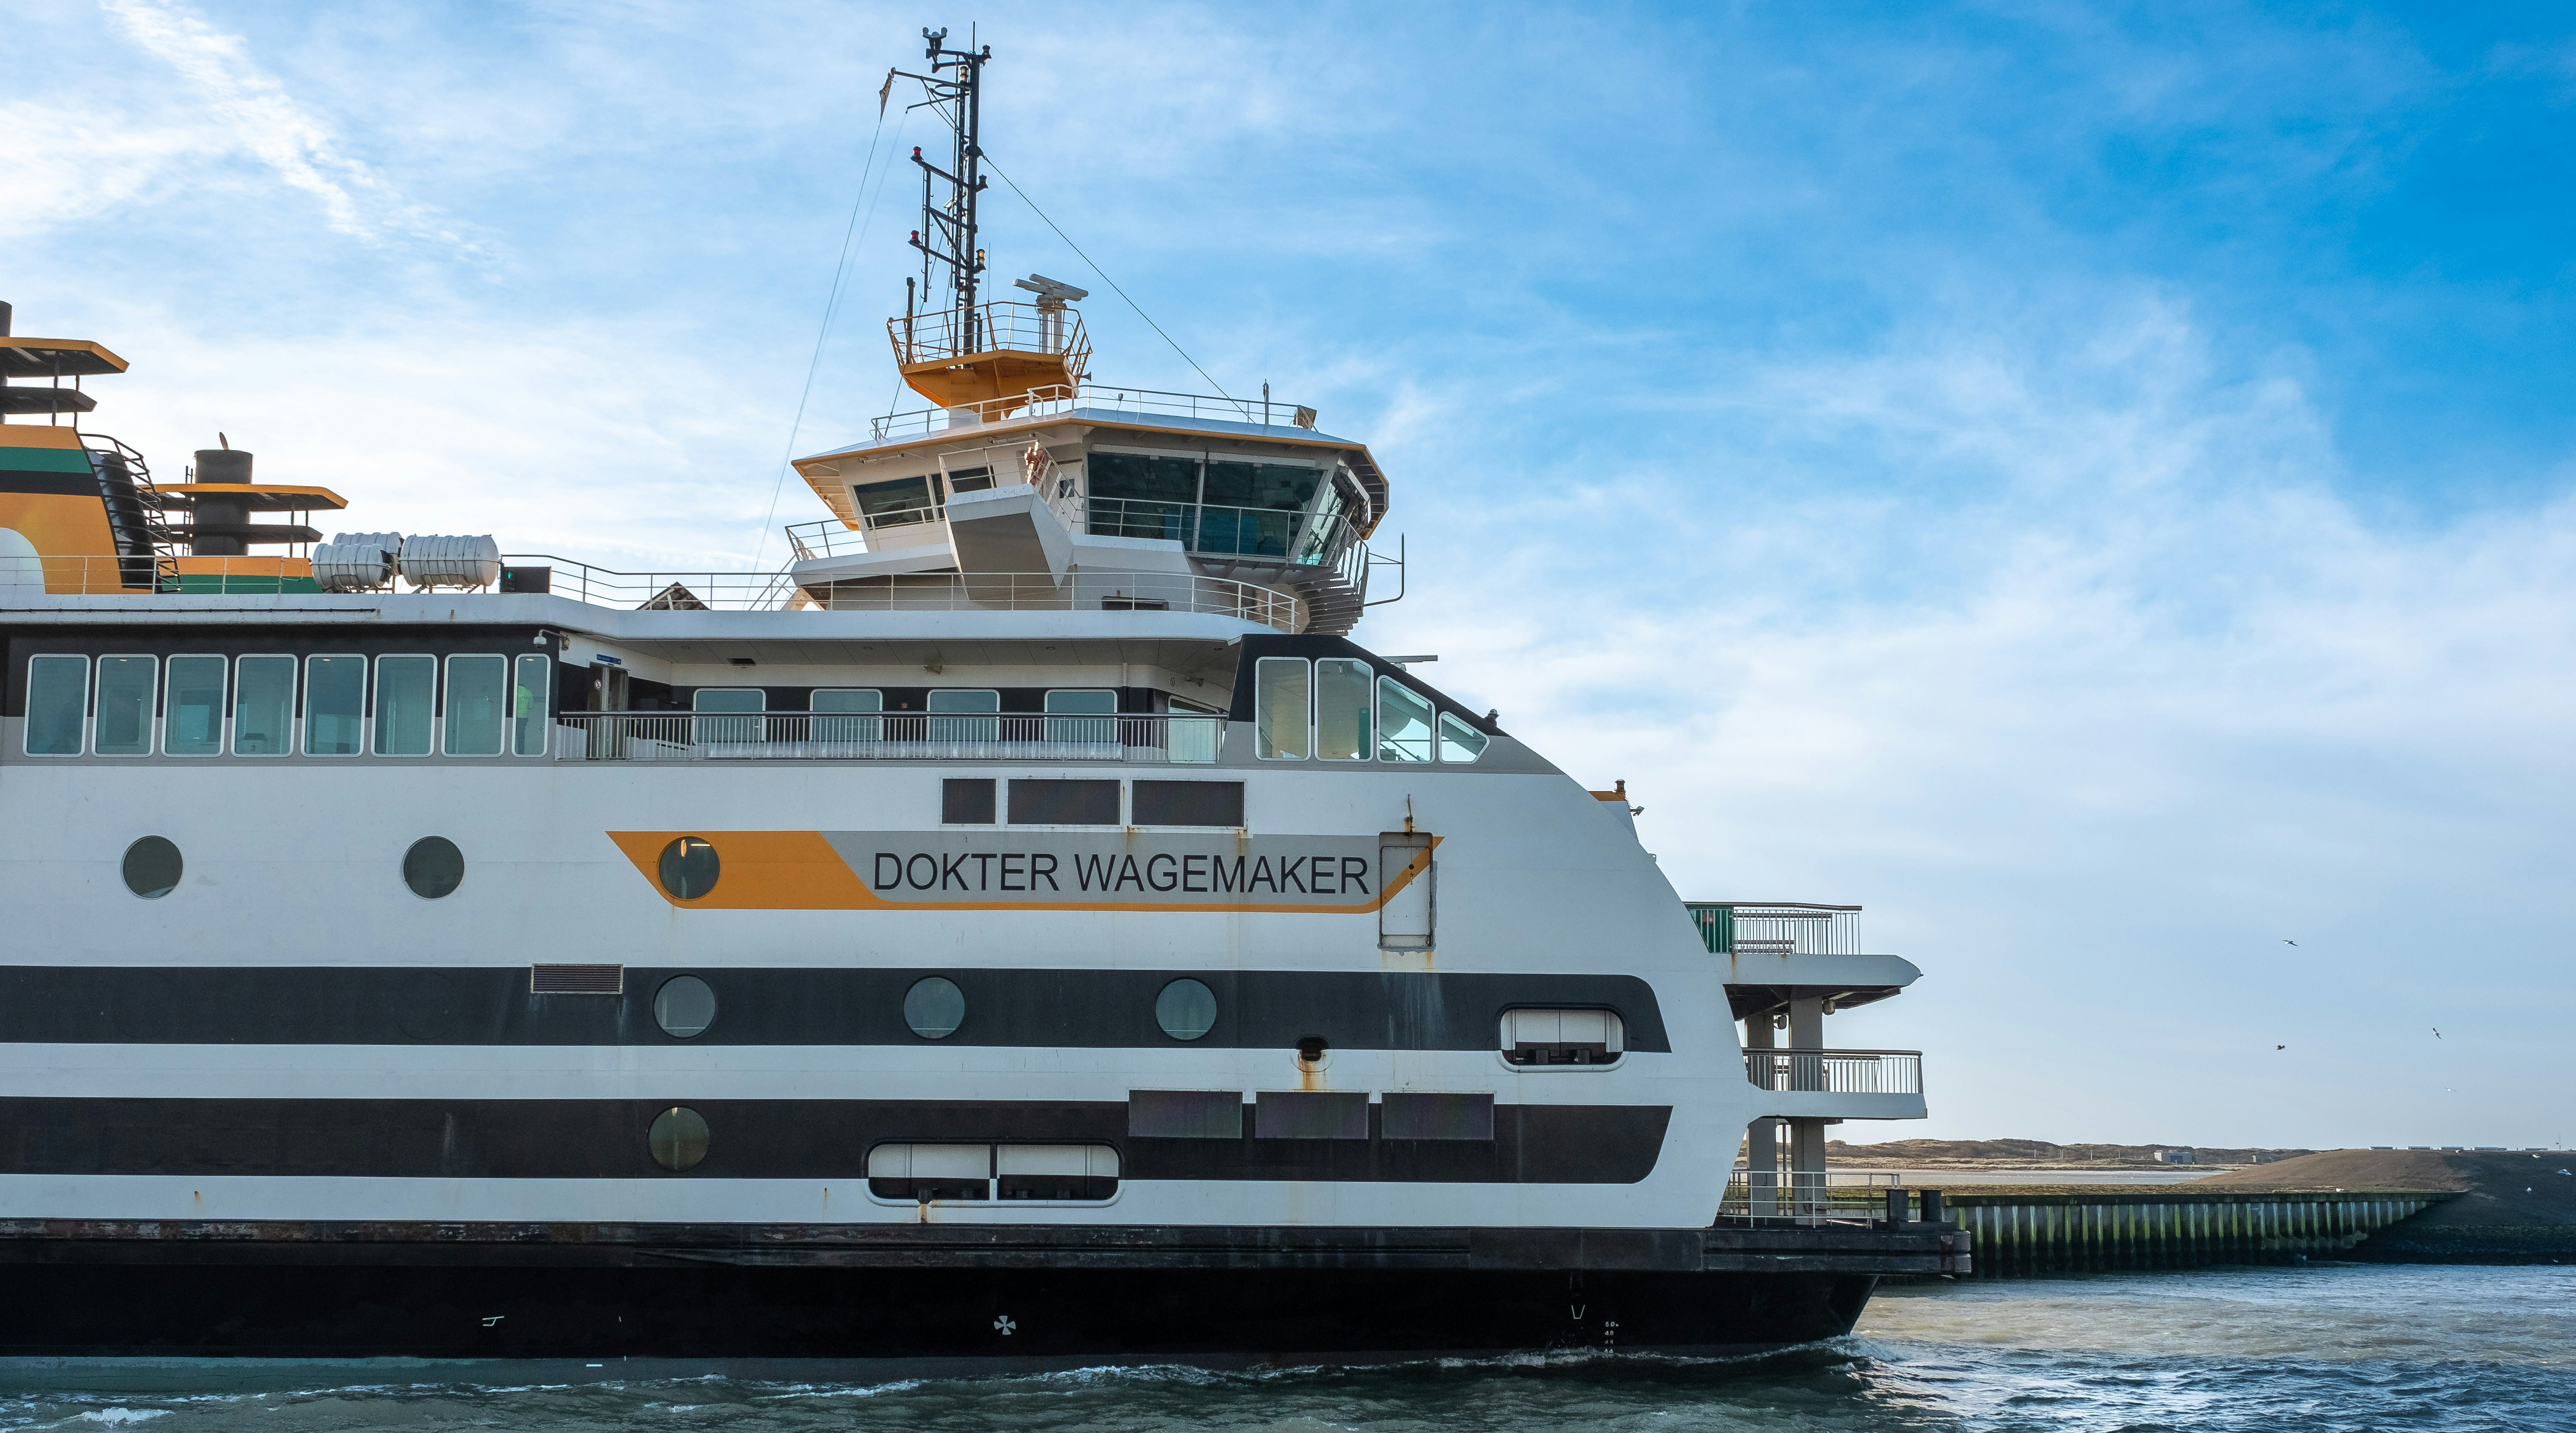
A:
<point x="1023" y="930"/>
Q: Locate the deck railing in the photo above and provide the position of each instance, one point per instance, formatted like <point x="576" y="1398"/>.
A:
<point x="1776" y="927"/>
<point x="695" y="591"/>
<point x="1838" y="1072"/>
<point x="1161" y="739"/>
<point x="1054" y="400"/>
<point x="1001" y="326"/>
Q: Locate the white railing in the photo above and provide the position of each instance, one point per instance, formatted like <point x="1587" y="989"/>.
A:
<point x="1776" y="927"/>
<point x="1001" y="326"/>
<point x="1838" y="1072"/>
<point x="711" y="591"/>
<point x="1054" y="400"/>
<point x="1159" y="740"/>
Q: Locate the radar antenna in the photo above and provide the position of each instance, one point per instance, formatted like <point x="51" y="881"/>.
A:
<point x="947" y="233"/>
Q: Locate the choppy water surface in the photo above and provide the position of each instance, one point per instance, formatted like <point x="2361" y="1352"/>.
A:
<point x="2313" y="1348"/>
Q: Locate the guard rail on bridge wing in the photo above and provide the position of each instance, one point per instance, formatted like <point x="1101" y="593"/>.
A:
<point x="1838" y="1072"/>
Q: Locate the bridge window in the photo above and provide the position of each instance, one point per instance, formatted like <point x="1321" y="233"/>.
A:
<point x="1562" y="1037"/>
<point x="192" y="721"/>
<point x="898" y="503"/>
<point x="1282" y="708"/>
<point x="406" y="688"/>
<point x="124" y="722"/>
<point x="477" y="698"/>
<point x="1403" y="723"/>
<point x="1459" y="741"/>
<point x="335" y="705"/>
<point x="1341" y="709"/>
<point x="969" y="480"/>
<point x="263" y="706"/>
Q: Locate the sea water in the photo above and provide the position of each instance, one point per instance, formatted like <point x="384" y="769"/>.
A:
<point x="2314" y="1347"/>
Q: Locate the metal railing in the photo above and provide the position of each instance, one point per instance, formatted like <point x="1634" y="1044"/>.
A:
<point x="1776" y="927"/>
<point x="1054" y="400"/>
<point x="1284" y="536"/>
<point x="705" y="591"/>
<point x="1156" y="740"/>
<point x="1838" y="1072"/>
<point x="1000" y="326"/>
<point x="97" y="575"/>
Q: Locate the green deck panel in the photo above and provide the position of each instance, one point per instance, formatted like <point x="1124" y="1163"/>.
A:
<point x="228" y="586"/>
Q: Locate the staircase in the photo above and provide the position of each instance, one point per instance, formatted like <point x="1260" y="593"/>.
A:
<point x="146" y="553"/>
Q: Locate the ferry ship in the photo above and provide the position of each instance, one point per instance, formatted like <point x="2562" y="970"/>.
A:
<point x="1023" y="931"/>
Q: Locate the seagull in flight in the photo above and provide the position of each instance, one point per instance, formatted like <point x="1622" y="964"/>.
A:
<point x="2285" y="940"/>
<point x="2437" y="1032"/>
<point x="2280" y="1047"/>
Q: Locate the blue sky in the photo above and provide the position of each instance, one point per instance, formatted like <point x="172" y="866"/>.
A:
<point x="2090" y="483"/>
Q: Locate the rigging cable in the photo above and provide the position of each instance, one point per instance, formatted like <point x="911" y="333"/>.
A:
<point x="831" y="304"/>
<point x="1104" y="277"/>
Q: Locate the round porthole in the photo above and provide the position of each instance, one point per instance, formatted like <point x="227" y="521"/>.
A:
<point x="678" y="1138"/>
<point x="152" y="867"/>
<point x="689" y="868"/>
<point x="684" y="1006"/>
<point x="433" y="867"/>
<point x="934" y="1008"/>
<point x="1186" y="1009"/>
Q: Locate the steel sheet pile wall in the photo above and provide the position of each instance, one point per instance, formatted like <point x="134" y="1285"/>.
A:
<point x="2018" y="1235"/>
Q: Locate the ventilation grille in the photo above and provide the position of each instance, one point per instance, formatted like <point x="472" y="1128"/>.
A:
<point x="576" y="980"/>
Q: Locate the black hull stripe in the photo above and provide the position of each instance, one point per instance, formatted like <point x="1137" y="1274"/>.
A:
<point x="765" y="1139"/>
<point x="491" y="1005"/>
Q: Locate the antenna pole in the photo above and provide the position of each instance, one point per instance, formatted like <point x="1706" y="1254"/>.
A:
<point x="948" y="233"/>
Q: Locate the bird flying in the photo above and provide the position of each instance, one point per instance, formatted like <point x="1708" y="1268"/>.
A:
<point x="2285" y="940"/>
<point x="2280" y="1047"/>
<point x="2437" y="1032"/>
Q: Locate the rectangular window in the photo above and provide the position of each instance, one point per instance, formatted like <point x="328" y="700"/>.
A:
<point x="1099" y="729"/>
<point x="1562" y="1037"/>
<point x="1136" y="495"/>
<point x="1064" y="803"/>
<point x="730" y="729"/>
<point x="1056" y="1171"/>
<point x="1403" y="723"/>
<point x="1185" y="1114"/>
<point x="192" y="721"/>
<point x="1341" y="709"/>
<point x="959" y="728"/>
<point x="405" y="687"/>
<point x="849" y="728"/>
<point x="966" y="801"/>
<point x="1459" y="741"/>
<point x="1280" y="709"/>
<point x="925" y="1172"/>
<point x="894" y="504"/>
<point x="1310" y="1114"/>
<point x="477" y="699"/>
<point x="335" y="706"/>
<point x="1436" y="1116"/>
<point x="124" y="723"/>
<point x="57" y="699"/>
<point x="530" y="710"/>
<point x="263" y="706"/>
<point x="1189" y="803"/>
<point x="969" y="480"/>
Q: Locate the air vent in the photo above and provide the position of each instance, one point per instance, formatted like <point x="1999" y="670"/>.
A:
<point x="576" y="980"/>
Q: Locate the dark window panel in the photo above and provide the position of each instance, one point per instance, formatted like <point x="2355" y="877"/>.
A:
<point x="1064" y="803"/>
<point x="966" y="802"/>
<point x="1189" y="803"/>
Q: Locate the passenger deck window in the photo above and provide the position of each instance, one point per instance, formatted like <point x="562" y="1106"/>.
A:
<point x="477" y="699"/>
<point x="925" y="1172"/>
<point x="124" y="723"/>
<point x="1097" y="724"/>
<point x="1403" y="723"/>
<point x="1562" y="1037"/>
<point x="1055" y="1171"/>
<point x="1282" y="708"/>
<point x="263" y="706"/>
<point x="406" y="687"/>
<point x="948" y="722"/>
<point x="1341" y="709"/>
<point x="706" y="729"/>
<point x="57" y="699"/>
<point x="531" y="706"/>
<point x="1064" y="803"/>
<point x="335" y="705"/>
<point x="848" y="728"/>
<point x="192" y="721"/>
<point x="1459" y="741"/>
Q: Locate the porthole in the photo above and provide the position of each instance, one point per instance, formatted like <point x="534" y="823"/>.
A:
<point x="689" y="868"/>
<point x="152" y="867"/>
<point x="433" y="867"/>
<point x="934" y="1008"/>
<point x="1186" y="1009"/>
<point x="684" y="1006"/>
<point x="678" y="1138"/>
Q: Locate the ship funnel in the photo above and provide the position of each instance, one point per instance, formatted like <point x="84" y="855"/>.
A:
<point x="223" y="465"/>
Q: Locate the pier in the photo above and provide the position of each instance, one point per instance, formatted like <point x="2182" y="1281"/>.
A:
<point x="2019" y="1234"/>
